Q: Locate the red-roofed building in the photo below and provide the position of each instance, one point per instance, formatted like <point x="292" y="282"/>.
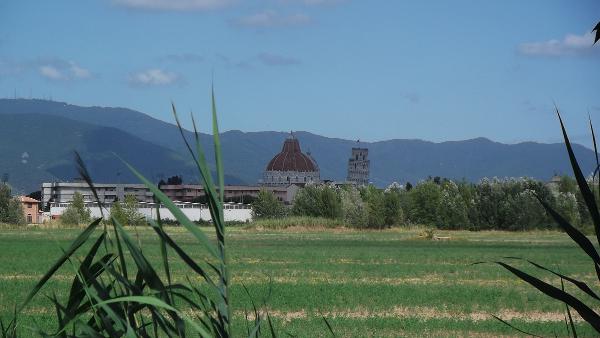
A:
<point x="291" y="166"/>
<point x="30" y="208"/>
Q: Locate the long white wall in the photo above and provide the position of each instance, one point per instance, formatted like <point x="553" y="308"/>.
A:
<point x="195" y="212"/>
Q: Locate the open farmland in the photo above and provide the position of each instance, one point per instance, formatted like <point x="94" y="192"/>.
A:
<point x="367" y="283"/>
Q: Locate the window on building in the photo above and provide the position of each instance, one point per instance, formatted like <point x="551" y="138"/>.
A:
<point x="29" y="205"/>
<point x="29" y="218"/>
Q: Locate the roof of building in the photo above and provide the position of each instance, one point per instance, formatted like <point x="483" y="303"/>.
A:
<point x="28" y="199"/>
<point x="291" y="158"/>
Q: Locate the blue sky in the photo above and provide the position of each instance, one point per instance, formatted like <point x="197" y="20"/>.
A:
<point x="374" y="70"/>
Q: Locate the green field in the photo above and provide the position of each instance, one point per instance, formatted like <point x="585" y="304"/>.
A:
<point x="367" y="283"/>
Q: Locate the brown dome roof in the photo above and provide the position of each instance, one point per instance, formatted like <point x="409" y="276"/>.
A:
<point x="291" y="158"/>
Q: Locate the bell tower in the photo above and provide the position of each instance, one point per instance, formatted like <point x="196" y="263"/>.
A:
<point x="358" y="166"/>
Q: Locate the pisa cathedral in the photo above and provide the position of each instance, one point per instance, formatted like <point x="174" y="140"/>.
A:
<point x="293" y="167"/>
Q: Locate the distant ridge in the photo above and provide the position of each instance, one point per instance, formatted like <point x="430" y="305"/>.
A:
<point x="247" y="153"/>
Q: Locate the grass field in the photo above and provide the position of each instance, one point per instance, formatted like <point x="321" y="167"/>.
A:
<point x="384" y="283"/>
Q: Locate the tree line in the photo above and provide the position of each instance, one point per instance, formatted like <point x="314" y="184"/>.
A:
<point x="501" y="204"/>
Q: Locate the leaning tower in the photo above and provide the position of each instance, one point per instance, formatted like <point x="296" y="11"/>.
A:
<point x="358" y="167"/>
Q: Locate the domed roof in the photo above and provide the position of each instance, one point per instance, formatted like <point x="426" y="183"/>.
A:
<point x="291" y="158"/>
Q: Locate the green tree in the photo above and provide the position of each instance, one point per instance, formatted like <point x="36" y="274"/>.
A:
<point x="126" y="212"/>
<point x="76" y="212"/>
<point x="393" y="207"/>
<point x="266" y="205"/>
<point x="423" y="203"/>
<point x="117" y="212"/>
<point x="567" y="207"/>
<point x="11" y="210"/>
<point x="452" y="210"/>
<point x="567" y="184"/>
<point x="132" y="214"/>
<point x="374" y="198"/>
<point x="331" y="204"/>
<point x="354" y="212"/>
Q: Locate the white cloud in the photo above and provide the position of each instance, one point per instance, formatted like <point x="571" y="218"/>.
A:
<point x="79" y="72"/>
<point x="269" y="19"/>
<point x="175" y="5"/>
<point x="62" y="70"/>
<point x="269" y="59"/>
<point x="570" y="45"/>
<point x="153" y="77"/>
<point x="51" y="72"/>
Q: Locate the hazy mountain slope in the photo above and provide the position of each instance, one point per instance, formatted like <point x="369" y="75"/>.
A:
<point x="36" y="148"/>
<point x="247" y="154"/>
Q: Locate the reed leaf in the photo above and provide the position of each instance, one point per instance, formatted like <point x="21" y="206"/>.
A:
<point x="78" y="242"/>
<point x="581" y="285"/>
<point x="587" y="194"/>
<point x="584" y="311"/>
<point x="177" y="213"/>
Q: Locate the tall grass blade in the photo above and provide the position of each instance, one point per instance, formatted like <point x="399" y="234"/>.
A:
<point x="213" y="202"/>
<point x="163" y="248"/>
<point x="85" y="175"/>
<point x="78" y="242"/>
<point x="587" y="194"/>
<point x="514" y="327"/>
<point x="182" y="254"/>
<point x="581" y="285"/>
<point x="584" y="311"/>
<point x="572" y="330"/>
<point x="177" y="213"/>
<point x="155" y="302"/>
<point x="217" y="144"/>
<point x="77" y="291"/>
<point x="584" y="243"/>
<point x="597" y="169"/>
<point x="329" y="328"/>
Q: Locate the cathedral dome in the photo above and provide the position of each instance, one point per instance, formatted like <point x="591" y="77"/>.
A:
<point x="291" y="158"/>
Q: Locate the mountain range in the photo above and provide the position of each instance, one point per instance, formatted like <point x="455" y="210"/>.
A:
<point x="38" y="138"/>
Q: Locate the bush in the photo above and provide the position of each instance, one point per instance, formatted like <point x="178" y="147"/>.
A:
<point x="267" y="205"/>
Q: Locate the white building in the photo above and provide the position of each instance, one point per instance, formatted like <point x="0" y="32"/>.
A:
<point x="62" y="192"/>
<point x="194" y="211"/>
